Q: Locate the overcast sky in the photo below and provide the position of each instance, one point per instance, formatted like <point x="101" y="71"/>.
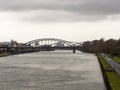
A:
<point x="73" y="20"/>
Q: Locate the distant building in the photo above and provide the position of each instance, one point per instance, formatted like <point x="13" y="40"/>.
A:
<point x="14" y="43"/>
<point x="5" y="44"/>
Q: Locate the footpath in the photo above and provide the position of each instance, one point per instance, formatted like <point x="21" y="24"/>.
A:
<point x="111" y="72"/>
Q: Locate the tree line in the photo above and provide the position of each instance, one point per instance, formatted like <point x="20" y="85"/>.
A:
<point x="111" y="46"/>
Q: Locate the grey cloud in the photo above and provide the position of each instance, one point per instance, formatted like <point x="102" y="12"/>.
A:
<point x="54" y="16"/>
<point x="35" y="4"/>
<point x="85" y="9"/>
<point x="82" y="6"/>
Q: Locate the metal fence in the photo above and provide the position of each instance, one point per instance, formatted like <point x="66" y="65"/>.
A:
<point x="113" y="64"/>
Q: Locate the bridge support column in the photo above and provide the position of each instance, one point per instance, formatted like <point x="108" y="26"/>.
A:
<point x="74" y="51"/>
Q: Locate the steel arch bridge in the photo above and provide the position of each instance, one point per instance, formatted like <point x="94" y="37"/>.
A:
<point x="53" y="42"/>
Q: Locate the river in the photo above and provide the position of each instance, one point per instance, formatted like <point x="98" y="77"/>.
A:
<point x="51" y="70"/>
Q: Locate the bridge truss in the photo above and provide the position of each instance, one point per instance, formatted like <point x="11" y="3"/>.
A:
<point x="53" y="42"/>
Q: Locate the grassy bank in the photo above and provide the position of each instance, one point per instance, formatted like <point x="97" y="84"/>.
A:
<point x="2" y="54"/>
<point x="115" y="58"/>
<point x="112" y="77"/>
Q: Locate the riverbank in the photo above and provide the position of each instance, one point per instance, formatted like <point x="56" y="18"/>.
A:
<point x="3" y="54"/>
<point x="111" y="79"/>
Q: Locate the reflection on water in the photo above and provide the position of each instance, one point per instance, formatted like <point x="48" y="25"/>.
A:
<point x="55" y="70"/>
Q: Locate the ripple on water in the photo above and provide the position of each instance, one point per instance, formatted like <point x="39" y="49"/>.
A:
<point x="57" y="70"/>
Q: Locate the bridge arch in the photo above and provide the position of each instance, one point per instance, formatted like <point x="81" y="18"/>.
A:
<point x="53" y="42"/>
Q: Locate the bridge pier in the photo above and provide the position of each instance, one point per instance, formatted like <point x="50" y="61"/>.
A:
<point x="74" y="50"/>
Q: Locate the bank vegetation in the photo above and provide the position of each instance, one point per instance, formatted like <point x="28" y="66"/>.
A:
<point x="111" y="46"/>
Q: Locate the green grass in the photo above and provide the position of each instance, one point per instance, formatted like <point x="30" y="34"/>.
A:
<point x="115" y="58"/>
<point x="113" y="78"/>
<point x="104" y="63"/>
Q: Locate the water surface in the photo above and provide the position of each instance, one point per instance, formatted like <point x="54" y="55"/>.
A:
<point x="54" y="70"/>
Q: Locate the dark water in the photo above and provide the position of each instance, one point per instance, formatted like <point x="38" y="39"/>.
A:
<point x="56" y="70"/>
